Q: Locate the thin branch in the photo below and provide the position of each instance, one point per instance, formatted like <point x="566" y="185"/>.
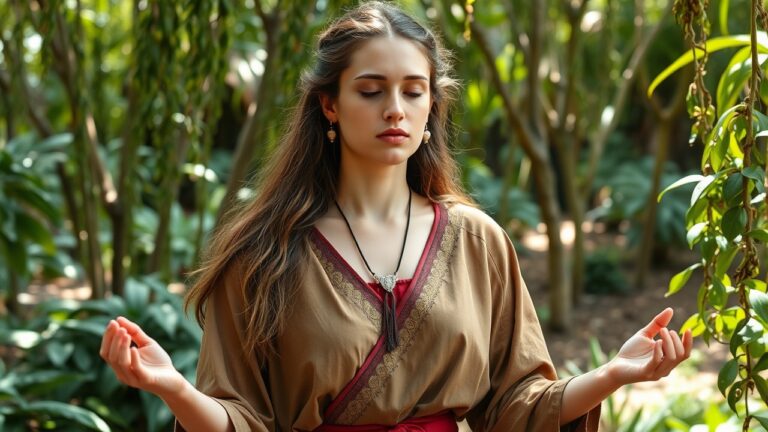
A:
<point x="39" y="120"/>
<point x="620" y="98"/>
<point x="524" y="134"/>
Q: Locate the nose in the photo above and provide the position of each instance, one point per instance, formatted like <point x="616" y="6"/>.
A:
<point x="394" y="110"/>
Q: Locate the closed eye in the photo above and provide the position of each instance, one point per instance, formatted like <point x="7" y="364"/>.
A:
<point x="369" y="94"/>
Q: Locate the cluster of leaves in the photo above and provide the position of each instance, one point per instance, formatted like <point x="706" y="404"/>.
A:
<point x="26" y="206"/>
<point x="488" y="189"/>
<point x="603" y="273"/>
<point x="727" y="219"/>
<point x="683" y="412"/>
<point x="628" y="187"/>
<point x="59" y="381"/>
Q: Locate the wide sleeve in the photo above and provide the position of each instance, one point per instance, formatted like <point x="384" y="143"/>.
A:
<point x="225" y="371"/>
<point x="525" y="394"/>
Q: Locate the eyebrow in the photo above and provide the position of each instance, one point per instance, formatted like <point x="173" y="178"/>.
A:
<point x="383" y="78"/>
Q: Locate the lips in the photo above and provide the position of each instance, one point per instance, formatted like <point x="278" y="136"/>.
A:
<point x="393" y="132"/>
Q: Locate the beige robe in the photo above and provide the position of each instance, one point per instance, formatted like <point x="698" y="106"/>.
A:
<point x="470" y="342"/>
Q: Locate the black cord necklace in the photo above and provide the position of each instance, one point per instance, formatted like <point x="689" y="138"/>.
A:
<point x="387" y="282"/>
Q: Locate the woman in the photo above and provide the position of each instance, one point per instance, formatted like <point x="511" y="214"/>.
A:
<point x="362" y="291"/>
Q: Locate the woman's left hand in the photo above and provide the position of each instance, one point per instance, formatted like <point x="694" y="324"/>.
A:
<point x="643" y="358"/>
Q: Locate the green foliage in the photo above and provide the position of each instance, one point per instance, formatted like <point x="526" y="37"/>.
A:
<point x="728" y="216"/>
<point x="628" y="186"/>
<point x="603" y="273"/>
<point x="27" y="207"/>
<point x="59" y="361"/>
<point x="488" y="189"/>
<point x="683" y="412"/>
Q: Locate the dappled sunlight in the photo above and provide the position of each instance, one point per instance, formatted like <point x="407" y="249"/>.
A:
<point x="59" y="288"/>
<point x="536" y="240"/>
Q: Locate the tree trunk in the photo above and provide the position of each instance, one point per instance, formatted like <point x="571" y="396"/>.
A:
<point x="161" y="256"/>
<point x="661" y="139"/>
<point x="559" y="285"/>
<point x="12" y="301"/>
<point x="568" y="161"/>
<point x="535" y="147"/>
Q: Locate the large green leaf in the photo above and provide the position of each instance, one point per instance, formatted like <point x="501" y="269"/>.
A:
<point x="34" y="230"/>
<point x="718" y="294"/>
<point x="165" y="316"/>
<point x="712" y="45"/>
<point x="694" y="234"/>
<point x="718" y="141"/>
<point x="762" y="386"/>
<point x="723" y="15"/>
<point x="59" y="352"/>
<point x="735" y="394"/>
<point x="733" y="222"/>
<point x="136" y="295"/>
<point x="695" y="178"/>
<point x="763" y="420"/>
<point x="43" y="382"/>
<point x="80" y="416"/>
<point x="678" y="281"/>
<point x="727" y="375"/>
<point x="724" y="260"/>
<point x="735" y="77"/>
<point x="759" y="302"/>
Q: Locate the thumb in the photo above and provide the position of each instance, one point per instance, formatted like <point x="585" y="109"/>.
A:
<point x="660" y="321"/>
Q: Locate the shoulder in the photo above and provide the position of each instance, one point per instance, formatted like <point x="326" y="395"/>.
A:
<point x="474" y="221"/>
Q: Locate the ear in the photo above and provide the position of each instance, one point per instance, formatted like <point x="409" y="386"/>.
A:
<point x="328" y="104"/>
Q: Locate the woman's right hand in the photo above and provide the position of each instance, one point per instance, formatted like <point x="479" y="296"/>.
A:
<point x="144" y="365"/>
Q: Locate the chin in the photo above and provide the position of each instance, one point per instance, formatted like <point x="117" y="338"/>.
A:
<point x="397" y="156"/>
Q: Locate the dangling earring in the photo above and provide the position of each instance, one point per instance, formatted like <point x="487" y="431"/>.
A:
<point x="331" y="134"/>
<point x="427" y="135"/>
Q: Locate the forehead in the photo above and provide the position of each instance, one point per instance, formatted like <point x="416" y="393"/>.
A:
<point x="392" y="57"/>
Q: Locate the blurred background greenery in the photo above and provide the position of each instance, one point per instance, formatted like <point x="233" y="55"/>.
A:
<point x="128" y="127"/>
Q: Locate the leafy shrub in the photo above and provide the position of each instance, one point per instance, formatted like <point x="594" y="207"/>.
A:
<point x="603" y="273"/>
<point x="628" y="189"/>
<point x="682" y="412"/>
<point x="27" y="207"/>
<point x="488" y="189"/>
<point x="59" y="381"/>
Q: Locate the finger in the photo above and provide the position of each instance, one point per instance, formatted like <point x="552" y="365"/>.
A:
<point x="136" y="333"/>
<point x="679" y="348"/>
<point x="670" y="355"/>
<point x="106" y="340"/>
<point x="123" y="353"/>
<point x="687" y="343"/>
<point x="114" y="348"/>
<point x="659" y="321"/>
<point x="658" y="357"/>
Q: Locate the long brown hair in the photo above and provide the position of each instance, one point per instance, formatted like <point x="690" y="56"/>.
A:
<point x="269" y="235"/>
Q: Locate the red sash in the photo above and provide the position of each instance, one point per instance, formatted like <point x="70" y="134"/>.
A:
<point x="441" y="422"/>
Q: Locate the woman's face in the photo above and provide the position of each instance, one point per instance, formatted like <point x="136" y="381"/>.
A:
<point x="383" y="102"/>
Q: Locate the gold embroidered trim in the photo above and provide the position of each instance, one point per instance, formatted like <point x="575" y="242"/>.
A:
<point x="390" y="361"/>
<point x="347" y="289"/>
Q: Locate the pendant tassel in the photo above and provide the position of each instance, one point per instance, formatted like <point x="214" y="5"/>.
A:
<point x="389" y="320"/>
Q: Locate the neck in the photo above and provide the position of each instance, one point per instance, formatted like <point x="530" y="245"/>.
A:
<point x="380" y="194"/>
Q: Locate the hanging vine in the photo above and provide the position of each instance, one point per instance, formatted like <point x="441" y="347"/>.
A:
<point x="728" y="216"/>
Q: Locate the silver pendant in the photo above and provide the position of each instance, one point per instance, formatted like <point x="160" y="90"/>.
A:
<point x="387" y="282"/>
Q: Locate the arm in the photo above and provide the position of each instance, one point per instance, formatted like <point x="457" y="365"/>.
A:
<point x="148" y="367"/>
<point x="640" y="359"/>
